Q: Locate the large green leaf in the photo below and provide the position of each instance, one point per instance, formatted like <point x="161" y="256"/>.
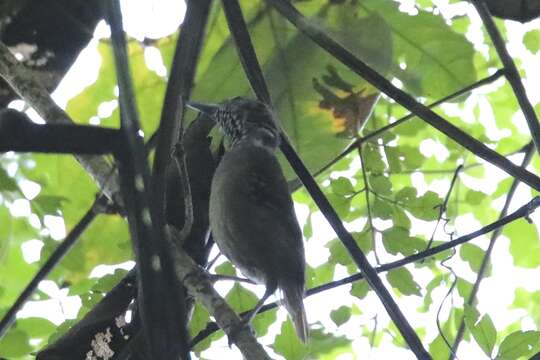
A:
<point x="288" y="344"/>
<point x="438" y="60"/>
<point x="518" y="344"/>
<point x="524" y="243"/>
<point x="313" y="127"/>
<point x="482" y="329"/>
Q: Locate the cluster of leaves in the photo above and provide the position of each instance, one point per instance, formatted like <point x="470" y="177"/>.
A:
<point x="386" y="187"/>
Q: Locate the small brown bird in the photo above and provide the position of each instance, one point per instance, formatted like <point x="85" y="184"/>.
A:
<point x="251" y="211"/>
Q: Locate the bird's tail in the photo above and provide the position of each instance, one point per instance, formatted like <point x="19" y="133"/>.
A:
<point x="293" y="301"/>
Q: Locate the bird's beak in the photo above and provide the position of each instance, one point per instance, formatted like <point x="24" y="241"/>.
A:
<point x="207" y="109"/>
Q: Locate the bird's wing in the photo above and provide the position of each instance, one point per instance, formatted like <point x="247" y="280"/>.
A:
<point x="268" y="189"/>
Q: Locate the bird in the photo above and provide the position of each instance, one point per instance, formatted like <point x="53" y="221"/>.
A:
<point x="251" y="211"/>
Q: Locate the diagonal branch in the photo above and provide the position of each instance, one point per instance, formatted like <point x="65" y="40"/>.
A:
<point x="47" y="267"/>
<point x="486" y="260"/>
<point x="253" y="71"/>
<point x="320" y="37"/>
<point x="512" y="74"/>
<point x="196" y="280"/>
<point x="22" y="82"/>
<point x="523" y="211"/>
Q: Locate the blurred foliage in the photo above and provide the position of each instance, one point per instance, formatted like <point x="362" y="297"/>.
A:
<point x="392" y="202"/>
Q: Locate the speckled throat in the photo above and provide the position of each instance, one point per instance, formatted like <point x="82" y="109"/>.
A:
<point x="240" y="117"/>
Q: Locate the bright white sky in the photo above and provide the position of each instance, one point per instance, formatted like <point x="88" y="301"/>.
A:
<point x="155" y="18"/>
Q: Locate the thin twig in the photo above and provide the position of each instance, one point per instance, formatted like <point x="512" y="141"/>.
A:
<point x="254" y="74"/>
<point x="47" y="267"/>
<point x="318" y="35"/>
<point x="523" y="211"/>
<point x="487" y="256"/>
<point x="368" y="205"/>
<point x="512" y="73"/>
<point x="443" y="206"/>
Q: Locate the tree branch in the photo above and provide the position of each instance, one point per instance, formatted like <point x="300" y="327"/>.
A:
<point x="19" y="133"/>
<point x="512" y="74"/>
<point x="170" y="132"/>
<point x="160" y="315"/>
<point x="320" y="37"/>
<point x="196" y="280"/>
<point x="22" y="82"/>
<point x="487" y="256"/>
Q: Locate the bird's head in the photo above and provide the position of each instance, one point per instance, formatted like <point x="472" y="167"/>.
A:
<point x="243" y="119"/>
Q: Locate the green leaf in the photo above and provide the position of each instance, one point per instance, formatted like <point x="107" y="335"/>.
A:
<point x="341" y="204"/>
<point x="432" y="285"/>
<point x="397" y="240"/>
<point x="342" y="186"/>
<point x="83" y="106"/>
<point x="393" y="158"/>
<point x="225" y="269"/>
<point x="360" y="289"/>
<point x="15" y="344"/>
<point x="406" y="195"/>
<point x="482" y="330"/>
<point x="7" y="183"/>
<point x="364" y="241"/>
<point x="373" y="160"/>
<point x="319" y="275"/>
<point x="518" y="344"/>
<point x="242" y="300"/>
<point x="341" y="315"/>
<point x="524" y="249"/>
<point x="5" y="229"/>
<point x="412" y="158"/>
<point x="425" y="207"/>
<point x="380" y="184"/>
<point x="307" y="230"/>
<point x="199" y="320"/>
<point x="338" y="253"/>
<point x="48" y="204"/>
<point x="288" y="344"/>
<point x="473" y="255"/>
<point x="402" y="280"/>
<point x="464" y="288"/>
<point x="485" y="334"/>
<point x="529" y="301"/>
<point x="475" y="197"/>
<point x="36" y="327"/>
<point x="381" y="209"/>
<point x="439" y="61"/>
<point x="531" y="39"/>
<point x="327" y="346"/>
<point x="400" y="218"/>
<point x="107" y="282"/>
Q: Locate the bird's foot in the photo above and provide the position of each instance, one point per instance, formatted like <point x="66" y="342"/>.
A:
<point x="245" y="323"/>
